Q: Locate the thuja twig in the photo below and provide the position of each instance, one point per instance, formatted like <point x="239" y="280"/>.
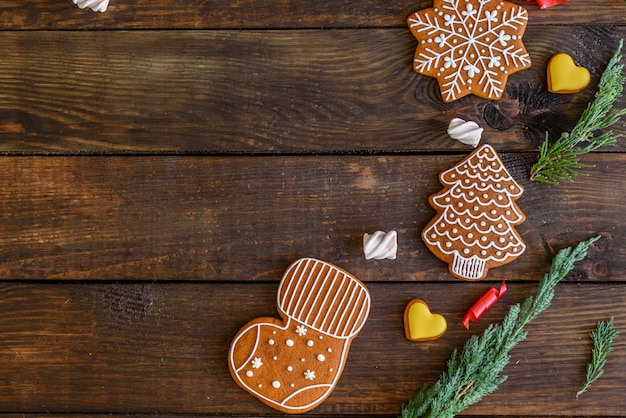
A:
<point x="560" y="160"/>
<point x="474" y="371"/>
<point x="602" y="344"/>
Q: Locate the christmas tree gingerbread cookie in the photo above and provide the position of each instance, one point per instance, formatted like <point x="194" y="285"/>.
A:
<point x="473" y="230"/>
<point x="293" y="364"/>
<point x="470" y="46"/>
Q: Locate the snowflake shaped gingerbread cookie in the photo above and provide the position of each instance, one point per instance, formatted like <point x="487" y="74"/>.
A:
<point x="470" y="46"/>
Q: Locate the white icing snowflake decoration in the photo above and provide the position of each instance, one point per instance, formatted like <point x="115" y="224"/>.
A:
<point x="301" y="330"/>
<point x="309" y="375"/>
<point x="256" y="363"/>
<point x="470" y="46"/>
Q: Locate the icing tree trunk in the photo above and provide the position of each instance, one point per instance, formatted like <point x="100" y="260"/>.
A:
<point x="471" y="268"/>
<point x="473" y="230"/>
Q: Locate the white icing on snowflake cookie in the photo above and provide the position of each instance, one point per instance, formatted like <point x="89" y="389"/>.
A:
<point x="470" y="46"/>
<point x="473" y="230"/>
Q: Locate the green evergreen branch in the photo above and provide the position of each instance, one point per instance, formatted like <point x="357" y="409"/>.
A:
<point x="602" y="344"/>
<point x="474" y="371"/>
<point x="560" y="161"/>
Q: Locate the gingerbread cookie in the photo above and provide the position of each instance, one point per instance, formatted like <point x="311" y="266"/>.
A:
<point x="420" y="324"/>
<point x="293" y="364"/>
<point x="565" y="77"/>
<point x="470" y="46"/>
<point x="476" y="211"/>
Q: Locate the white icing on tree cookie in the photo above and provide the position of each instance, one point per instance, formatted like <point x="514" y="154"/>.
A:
<point x="471" y="46"/>
<point x="476" y="211"/>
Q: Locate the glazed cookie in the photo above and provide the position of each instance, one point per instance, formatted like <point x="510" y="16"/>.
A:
<point x="565" y="77"/>
<point x="420" y="324"/>
<point x="470" y="46"/>
<point x="293" y="364"/>
<point x="473" y="230"/>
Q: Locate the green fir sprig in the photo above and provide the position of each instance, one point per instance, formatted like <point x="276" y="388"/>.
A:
<point x="560" y="160"/>
<point x="475" y="370"/>
<point x="602" y="344"/>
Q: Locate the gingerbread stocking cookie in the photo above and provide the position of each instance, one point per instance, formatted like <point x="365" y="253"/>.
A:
<point x="476" y="214"/>
<point x="293" y="364"/>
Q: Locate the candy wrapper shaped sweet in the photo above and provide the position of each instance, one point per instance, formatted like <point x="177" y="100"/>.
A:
<point x="293" y="364"/>
<point x="544" y="4"/>
<point x="483" y="304"/>
<point x="476" y="211"/>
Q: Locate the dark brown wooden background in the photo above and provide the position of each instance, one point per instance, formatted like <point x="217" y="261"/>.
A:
<point x="163" y="163"/>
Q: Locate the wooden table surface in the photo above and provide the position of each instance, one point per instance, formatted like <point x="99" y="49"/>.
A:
<point x="162" y="163"/>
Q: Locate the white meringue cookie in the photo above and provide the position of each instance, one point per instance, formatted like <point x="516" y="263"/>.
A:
<point x="465" y="132"/>
<point x="380" y="245"/>
<point x="95" y="5"/>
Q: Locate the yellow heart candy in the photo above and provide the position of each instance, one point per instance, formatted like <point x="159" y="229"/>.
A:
<point x="422" y="325"/>
<point x="565" y="77"/>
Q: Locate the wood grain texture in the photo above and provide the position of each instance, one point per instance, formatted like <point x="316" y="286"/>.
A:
<point x="144" y="348"/>
<point x="262" y="91"/>
<point x="226" y="14"/>
<point x="239" y="219"/>
<point x="162" y="163"/>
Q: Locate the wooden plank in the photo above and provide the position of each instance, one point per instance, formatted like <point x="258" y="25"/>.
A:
<point x="246" y="218"/>
<point x="174" y="415"/>
<point x="146" y="348"/>
<point x="224" y="14"/>
<point x="270" y="415"/>
<point x="267" y="92"/>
